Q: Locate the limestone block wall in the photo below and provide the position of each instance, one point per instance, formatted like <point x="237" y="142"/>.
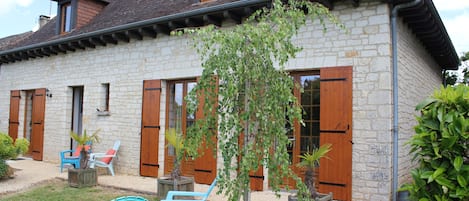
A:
<point x="366" y="47"/>
<point x="419" y="76"/>
<point x="124" y="66"/>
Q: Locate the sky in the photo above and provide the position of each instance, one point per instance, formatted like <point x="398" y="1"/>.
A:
<point x="18" y="16"/>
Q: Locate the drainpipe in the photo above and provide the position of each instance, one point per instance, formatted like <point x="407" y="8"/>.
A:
<point x="395" y="94"/>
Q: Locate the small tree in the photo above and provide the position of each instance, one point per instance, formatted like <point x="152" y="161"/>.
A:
<point x="82" y="140"/>
<point x="255" y="97"/>
<point x="441" y="146"/>
<point x="175" y="139"/>
<point x="310" y="161"/>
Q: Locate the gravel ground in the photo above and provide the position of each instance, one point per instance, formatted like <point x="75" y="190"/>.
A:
<point x="30" y="173"/>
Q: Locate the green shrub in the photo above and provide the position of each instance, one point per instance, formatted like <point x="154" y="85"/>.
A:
<point x="9" y="150"/>
<point x="3" y="168"/>
<point x="441" y="147"/>
<point x="21" y="146"/>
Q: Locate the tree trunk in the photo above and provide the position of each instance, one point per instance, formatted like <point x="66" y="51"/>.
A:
<point x="309" y="182"/>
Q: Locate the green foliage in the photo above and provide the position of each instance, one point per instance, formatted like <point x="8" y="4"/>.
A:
<point x="10" y="150"/>
<point x="176" y="140"/>
<point x="7" y="150"/>
<point x="310" y="161"/>
<point x="21" y="146"/>
<point x="82" y="140"/>
<point x="3" y="168"/>
<point x="441" y="146"/>
<point x="57" y="190"/>
<point x="255" y="96"/>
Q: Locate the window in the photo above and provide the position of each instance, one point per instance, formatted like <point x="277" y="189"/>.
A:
<point x="65" y="18"/>
<point x="103" y="107"/>
<point x="178" y="117"/>
<point x="105" y="97"/>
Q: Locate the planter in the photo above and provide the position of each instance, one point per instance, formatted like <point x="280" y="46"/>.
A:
<point x="403" y="196"/>
<point x="79" y="178"/>
<point x="166" y="184"/>
<point x="322" y="197"/>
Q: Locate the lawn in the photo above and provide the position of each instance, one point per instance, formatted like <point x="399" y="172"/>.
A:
<point x="58" y="190"/>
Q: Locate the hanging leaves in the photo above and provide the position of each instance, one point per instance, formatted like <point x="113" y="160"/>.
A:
<point x="255" y="103"/>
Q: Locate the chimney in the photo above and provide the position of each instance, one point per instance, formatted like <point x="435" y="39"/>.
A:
<point x="43" y="20"/>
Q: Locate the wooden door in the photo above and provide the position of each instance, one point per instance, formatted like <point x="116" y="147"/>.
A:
<point x="335" y="174"/>
<point x="37" y="132"/>
<point x="180" y="119"/>
<point x="150" y="128"/>
<point x="14" y="122"/>
<point x="205" y="166"/>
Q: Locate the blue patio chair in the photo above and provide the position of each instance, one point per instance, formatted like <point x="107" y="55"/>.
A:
<point x="130" y="198"/>
<point x="74" y="159"/>
<point x="203" y="196"/>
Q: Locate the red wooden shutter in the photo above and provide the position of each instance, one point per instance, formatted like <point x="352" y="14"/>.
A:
<point x="150" y="128"/>
<point x="206" y="165"/>
<point x="14" y="114"/>
<point x="335" y="175"/>
<point x="37" y="131"/>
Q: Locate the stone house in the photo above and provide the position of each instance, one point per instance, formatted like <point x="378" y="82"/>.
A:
<point x="113" y="65"/>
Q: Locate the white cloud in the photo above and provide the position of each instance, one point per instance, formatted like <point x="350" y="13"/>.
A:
<point x="458" y="28"/>
<point x="451" y="5"/>
<point x="8" y="5"/>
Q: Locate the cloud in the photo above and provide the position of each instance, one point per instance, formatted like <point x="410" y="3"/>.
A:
<point x="458" y="28"/>
<point x="8" y="5"/>
<point x="451" y="5"/>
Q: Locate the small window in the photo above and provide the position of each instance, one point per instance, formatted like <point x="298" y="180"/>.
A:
<point x="105" y="92"/>
<point x="66" y="18"/>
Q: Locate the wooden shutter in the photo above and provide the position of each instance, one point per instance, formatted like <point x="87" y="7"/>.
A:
<point x="335" y="175"/>
<point x="37" y="131"/>
<point x="205" y="166"/>
<point x="150" y="128"/>
<point x="14" y="122"/>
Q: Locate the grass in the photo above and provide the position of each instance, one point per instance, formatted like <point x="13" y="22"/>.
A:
<point x="57" y="190"/>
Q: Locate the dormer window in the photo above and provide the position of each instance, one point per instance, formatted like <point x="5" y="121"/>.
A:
<point x="73" y="14"/>
<point x="66" y="18"/>
<point x="66" y="15"/>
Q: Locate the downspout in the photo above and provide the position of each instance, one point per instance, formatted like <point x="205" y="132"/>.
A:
<point x="395" y="94"/>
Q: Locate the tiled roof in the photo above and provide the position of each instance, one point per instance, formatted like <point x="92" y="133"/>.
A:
<point x="121" y="20"/>
<point x="12" y="41"/>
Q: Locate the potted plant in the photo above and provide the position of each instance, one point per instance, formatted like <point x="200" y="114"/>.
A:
<point x="83" y="176"/>
<point x="175" y="181"/>
<point x="310" y="161"/>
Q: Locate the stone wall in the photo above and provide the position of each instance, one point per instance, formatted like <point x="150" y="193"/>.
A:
<point x="419" y="76"/>
<point x="366" y="47"/>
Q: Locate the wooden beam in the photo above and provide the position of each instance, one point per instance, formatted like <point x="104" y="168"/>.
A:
<point x="39" y="51"/>
<point x="66" y="47"/>
<point x="134" y="34"/>
<point x="193" y="22"/>
<point x="108" y="39"/>
<point x="174" y="25"/>
<point x="57" y="49"/>
<point x="148" y="31"/>
<point x="97" y="41"/>
<point x="162" y="29"/>
<point x="86" y="43"/>
<point x="121" y="37"/>
<point x="233" y="16"/>
<point x="212" y="20"/>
